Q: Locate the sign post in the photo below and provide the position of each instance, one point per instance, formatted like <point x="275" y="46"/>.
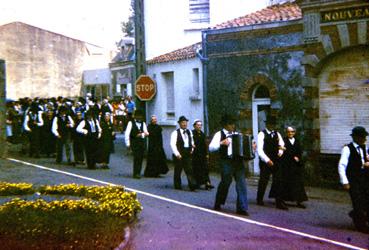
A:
<point x="145" y="88"/>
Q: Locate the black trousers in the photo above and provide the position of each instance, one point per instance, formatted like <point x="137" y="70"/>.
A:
<point x="91" y="151"/>
<point x="138" y="149"/>
<point x="359" y="193"/>
<point x="183" y="164"/>
<point x="277" y="184"/>
<point x="34" y="142"/>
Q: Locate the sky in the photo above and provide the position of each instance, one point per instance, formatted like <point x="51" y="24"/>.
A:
<point x="93" y="21"/>
<point x="96" y="22"/>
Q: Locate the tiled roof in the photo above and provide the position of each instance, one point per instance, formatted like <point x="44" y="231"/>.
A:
<point x="279" y="12"/>
<point x="275" y="13"/>
<point x="176" y="55"/>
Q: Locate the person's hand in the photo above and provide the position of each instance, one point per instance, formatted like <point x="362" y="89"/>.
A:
<point x="366" y="164"/>
<point x="270" y="163"/>
<point x="146" y="133"/>
<point x="179" y="157"/>
<point x="296" y="159"/>
<point x="346" y="186"/>
<point x="225" y="142"/>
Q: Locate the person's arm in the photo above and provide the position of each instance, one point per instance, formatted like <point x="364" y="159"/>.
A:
<point x="215" y="142"/>
<point x="40" y="122"/>
<point x="280" y="144"/>
<point x="127" y="133"/>
<point x="260" y="147"/>
<point x="80" y="128"/>
<point x="71" y="122"/>
<point x="25" y="123"/>
<point x="98" y="128"/>
<point x="146" y="132"/>
<point x="54" y="127"/>
<point x="173" y="143"/>
<point x="342" y="166"/>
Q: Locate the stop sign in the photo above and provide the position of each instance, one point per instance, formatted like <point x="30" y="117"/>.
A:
<point x="145" y="88"/>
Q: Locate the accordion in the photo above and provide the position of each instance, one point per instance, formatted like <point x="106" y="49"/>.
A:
<point x="242" y="146"/>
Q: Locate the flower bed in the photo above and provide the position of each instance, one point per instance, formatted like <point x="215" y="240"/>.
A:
<point x="94" y="219"/>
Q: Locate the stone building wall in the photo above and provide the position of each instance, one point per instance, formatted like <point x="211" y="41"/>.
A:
<point x="41" y="63"/>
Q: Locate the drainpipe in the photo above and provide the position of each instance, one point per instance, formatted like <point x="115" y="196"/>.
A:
<point x="202" y="55"/>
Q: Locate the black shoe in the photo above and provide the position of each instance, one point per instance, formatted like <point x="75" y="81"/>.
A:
<point x="281" y="205"/>
<point x="217" y="207"/>
<point x="244" y="213"/>
<point x="178" y="187"/>
<point x="260" y="203"/>
<point x="300" y="205"/>
<point x="136" y="176"/>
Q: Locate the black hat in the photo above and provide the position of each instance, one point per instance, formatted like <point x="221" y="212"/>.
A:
<point x="227" y="119"/>
<point x="359" y="131"/>
<point x="182" y="118"/>
<point x="272" y="120"/>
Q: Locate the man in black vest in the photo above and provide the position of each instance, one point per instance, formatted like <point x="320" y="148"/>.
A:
<point x="353" y="169"/>
<point x="231" y="166"/>
<point x="181" y="143"/>
<point x="33" y="123"/>
<point x="270" y="149"/>
<point x="90" y="128"/>
<point x="62" y="129"/>
<point x="135" y="135"/>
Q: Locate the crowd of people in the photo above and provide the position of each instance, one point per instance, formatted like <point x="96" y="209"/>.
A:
<point x="79" y="131"/>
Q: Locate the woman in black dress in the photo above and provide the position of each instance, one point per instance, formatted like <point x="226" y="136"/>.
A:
<point x="156" y="159"/>
<point x="293" y="170"/>
<point x="200" y="157"/>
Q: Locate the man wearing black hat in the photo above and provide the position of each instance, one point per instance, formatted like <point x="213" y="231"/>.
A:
<point x="270" y="149"/>
<point x="353" y="169"/>
<point x="32" y="124"/>
<point x="229" y="166"/>
<point x="181" y="142"/>
<point x="135" y="135"/>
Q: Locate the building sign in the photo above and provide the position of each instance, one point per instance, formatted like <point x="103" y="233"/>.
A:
<point x="345" y="14"/>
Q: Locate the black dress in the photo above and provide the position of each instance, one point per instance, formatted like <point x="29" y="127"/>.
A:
<point x="156" y="159"/>
<point x="292" y="173"/>
<point x="199" y="159"/>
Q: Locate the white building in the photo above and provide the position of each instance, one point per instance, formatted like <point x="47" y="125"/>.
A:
<point x="173" y="24"/>
<point x="178" y="76"/>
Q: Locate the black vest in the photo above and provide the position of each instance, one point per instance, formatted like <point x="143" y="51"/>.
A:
<point x="135" y="130"/>
<point x="271" y="145"/>
<point x="88" y="128"/>
<point x="180" y="142"/>
<point x="33" y="118"/>
<point x="354" y="163"/>
<point x="62" y="126"/>
<point x="223" y="150"/>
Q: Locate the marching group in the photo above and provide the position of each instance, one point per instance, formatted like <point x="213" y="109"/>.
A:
<point x="86" y="130"/>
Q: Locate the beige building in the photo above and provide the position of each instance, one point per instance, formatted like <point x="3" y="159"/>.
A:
<point x="41" y="63"/>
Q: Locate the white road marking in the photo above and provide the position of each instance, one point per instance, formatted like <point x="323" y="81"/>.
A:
<point x="310" y="236"/>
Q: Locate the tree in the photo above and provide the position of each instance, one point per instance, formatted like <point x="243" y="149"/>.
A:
<point x="128" y="27"/>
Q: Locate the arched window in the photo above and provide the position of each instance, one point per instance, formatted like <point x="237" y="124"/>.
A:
<point x="261" y="92"/>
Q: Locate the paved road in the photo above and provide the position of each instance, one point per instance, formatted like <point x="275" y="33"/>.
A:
<point x="168" y="224"/>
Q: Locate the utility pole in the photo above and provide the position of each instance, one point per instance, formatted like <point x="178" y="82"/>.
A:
<point x="3" y="144"/>
<point x="140" y="42"/>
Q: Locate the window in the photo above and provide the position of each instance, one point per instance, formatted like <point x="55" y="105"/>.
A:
<point x="195" y="85"/>
<point x="169" y="85"/>
<point x="199" y="11"/>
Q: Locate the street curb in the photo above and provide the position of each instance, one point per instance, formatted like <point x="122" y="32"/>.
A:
<point x="127" y="235"/>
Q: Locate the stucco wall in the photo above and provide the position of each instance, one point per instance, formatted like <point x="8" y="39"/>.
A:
<point x="229" y="72"/>
<point x="41" y="63"/>
<point x="183" y="89"/>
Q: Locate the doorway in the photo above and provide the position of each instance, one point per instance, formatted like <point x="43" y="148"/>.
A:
<point x="260" y="110"/>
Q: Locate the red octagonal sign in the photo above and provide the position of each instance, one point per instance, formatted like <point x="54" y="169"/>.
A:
<point x="145" y="88"/>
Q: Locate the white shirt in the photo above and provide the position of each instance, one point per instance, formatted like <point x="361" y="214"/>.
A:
<point x="173" y="140"/>
<point x="342" y="165"/>
<point x="215" y="142"/>
<point x="292" y="140"/>
<point x="40" y="121"/>
<point x="80" y="128"/>
<point x="54" y="127"/>
<point x="128" y="131"/>
<point x="260" y="144"/>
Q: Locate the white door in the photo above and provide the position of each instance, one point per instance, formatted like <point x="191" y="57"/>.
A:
<point x="260" y="109"/>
